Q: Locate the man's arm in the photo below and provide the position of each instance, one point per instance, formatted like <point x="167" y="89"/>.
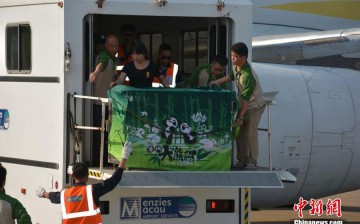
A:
<point x="218" y="82"/>
<point x="125" y="70"/>
<point x="53" y="196"/>
<point x="120" y="80"/>
<point x="241" y="113"/>
<point x="99" y="189"/>
<point x="108" y="185"/>
<point x="163" y="81"/>
<point x="94" y="75"/>
<point x="101" y="64"/>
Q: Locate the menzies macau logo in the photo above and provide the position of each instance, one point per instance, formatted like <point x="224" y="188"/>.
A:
<point x="157" y="207"/>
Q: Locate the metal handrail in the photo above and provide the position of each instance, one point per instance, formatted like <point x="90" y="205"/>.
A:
<point x="269" y="99"/>
<point x="104" y="102"/>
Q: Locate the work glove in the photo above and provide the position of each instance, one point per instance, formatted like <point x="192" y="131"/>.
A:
<point x="40" y="192"/>
<point x="126" y="151"/>
<point x="70" y="170"/>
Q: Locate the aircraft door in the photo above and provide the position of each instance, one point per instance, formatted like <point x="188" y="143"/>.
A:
<point x="333" y="118"/>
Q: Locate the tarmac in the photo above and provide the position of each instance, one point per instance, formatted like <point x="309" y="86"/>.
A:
<point x="350" y="208"/>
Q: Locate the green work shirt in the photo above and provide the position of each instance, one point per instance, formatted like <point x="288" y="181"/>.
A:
<point x="11" y="209"/>
<point x="104" y="59"/>
<point x="245" y="81"/>
<point x="202" y="77"/>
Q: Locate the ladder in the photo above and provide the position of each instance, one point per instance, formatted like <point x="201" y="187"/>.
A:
<point x="105" y="124"/>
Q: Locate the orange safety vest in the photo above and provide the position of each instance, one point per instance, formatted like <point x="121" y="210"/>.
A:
<point x="170" y="77"/>
<point x="121" y="55"/>
<point x="78" y="207"/>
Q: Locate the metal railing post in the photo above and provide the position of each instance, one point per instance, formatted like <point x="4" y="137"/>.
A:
<point x="269" y="99"/>
<point x="102" y="129"/>
<point x="269" y="135"/>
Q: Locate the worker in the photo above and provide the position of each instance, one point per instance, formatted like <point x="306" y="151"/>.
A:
<point x="80" y="203"/>
<point x="10" y="208"/>
<point x="166" y="67"/>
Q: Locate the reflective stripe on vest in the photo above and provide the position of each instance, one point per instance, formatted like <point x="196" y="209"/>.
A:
<point x="90" y="201"/>
<point x="171" y="73"/>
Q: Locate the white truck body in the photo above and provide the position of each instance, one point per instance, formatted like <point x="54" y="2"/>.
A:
<point x="36" y="145"/>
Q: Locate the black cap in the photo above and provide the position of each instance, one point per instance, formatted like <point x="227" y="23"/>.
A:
<point x="99" y="38"/>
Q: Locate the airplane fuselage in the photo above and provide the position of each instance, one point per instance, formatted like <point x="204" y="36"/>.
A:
<point x="315" y="130"/>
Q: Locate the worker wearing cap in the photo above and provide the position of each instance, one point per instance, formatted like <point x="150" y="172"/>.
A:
<point x="80" y="203"/>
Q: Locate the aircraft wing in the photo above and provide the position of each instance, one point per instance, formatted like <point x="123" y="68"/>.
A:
<point x="335" y="48"/>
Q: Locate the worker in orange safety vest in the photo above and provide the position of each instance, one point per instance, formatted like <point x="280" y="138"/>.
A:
<point x="80" y="203"/>
<point x="166" y="67"/>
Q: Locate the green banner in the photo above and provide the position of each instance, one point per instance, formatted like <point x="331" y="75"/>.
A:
<point x="173" y="129"/>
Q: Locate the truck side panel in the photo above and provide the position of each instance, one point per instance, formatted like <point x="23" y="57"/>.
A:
<point x="32" y="147"/>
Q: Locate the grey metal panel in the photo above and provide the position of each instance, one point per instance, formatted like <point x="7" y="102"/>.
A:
<point x="250" y="179"/>
<point x="27" y="162"/>
<point x="29" y="79"/>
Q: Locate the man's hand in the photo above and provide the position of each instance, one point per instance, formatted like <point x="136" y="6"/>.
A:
<point x="239" y="121"/>
<point x="113" y="84"/>
<point x="40" y="192"/>
<point x="126" y="151"/>
<point x="92" y="77"/>
<point x="215" y="83"/>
